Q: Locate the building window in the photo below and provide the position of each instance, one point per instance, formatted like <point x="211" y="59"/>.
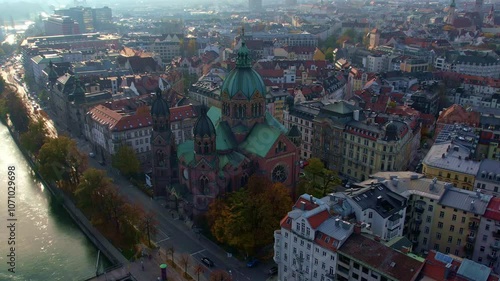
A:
<point x="440" y="225"/>
<point x="441" y="214"/>
<point x="454" y="217"/>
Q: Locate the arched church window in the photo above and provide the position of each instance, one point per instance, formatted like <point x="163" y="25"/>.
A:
<point x="244" y="180"/>
<point x="199" y="148"/>
<point x="206" y="147"/>
<point x="235" y="111"/>
<point x="204" y="185"/>
<point x="160" y="158"/>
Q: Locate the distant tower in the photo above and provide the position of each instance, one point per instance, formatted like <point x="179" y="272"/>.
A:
<point x="450" y="19"/>
<point x="478" y="8"/>
<point x="490" y="19"/>
<point x="162" y="147"/>
<point x="255" y="5"/>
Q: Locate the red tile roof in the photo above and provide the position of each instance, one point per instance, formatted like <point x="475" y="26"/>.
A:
<point x="317" y="219"/>
<point x="436" y="269"/>
<point x="308" y="205"/>
<point x="381" y="258"/>
<point x="493" y="209"/>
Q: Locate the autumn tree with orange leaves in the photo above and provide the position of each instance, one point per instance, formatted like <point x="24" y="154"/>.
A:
<point x="246" y="219"/>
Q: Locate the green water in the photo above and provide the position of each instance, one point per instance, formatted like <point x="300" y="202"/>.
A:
<point x="48" y="244"/>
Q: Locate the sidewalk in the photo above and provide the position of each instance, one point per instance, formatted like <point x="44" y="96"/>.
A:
<point x="133" y="271"/>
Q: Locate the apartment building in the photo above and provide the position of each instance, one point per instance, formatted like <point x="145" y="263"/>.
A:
<point x="456" y="221"/>
<point x="315" y="243"/>
<point x="108" y="129"/>
<point x="423" y="195"/>
<point x="361" y="258"/>
<point x="305" y="248"/>
<point x="302" y="115"/>
<point x="488" y="233"/>
<point x="329" y="125"/>
<point x="451" y="162"/>
<point x="488" y="177"/>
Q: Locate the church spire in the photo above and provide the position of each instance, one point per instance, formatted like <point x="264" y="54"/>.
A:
<point x="243" y="60"/>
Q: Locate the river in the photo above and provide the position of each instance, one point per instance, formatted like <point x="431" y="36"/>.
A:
<point x="48" y="244"/>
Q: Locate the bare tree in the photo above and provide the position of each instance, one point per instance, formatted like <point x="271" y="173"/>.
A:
<point x="185" y="260"/>
<point x="199" y="269"/>
<point x="171" y="251"/>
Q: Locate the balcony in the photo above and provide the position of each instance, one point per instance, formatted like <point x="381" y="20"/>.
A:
<point x="415" y="232"/>
<point x="496" y="234"/>
<point x="418" y="221"/>
<point x="473" y="226"/>
<point x="495" y="246"/>
<point x="471" y="238"/>
<point x="419" y="209"/>
<point x="492" y="256"/>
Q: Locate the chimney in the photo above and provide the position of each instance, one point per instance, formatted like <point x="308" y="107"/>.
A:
<point x="311" y="199"/>
<point x="337" y="222"/>
<point x="357" y="228"/>
<point x="405" y="250"/>
<point x="302" y="205"/>
<point x="447" y="271"/>
<point x="377" y="238"/>
<point x="395" y="181"/>
<point x="478" y="193"/>
<point x="379" y="200"/>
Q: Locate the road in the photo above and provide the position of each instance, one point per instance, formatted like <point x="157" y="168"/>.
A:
<point x="170" y="230"/>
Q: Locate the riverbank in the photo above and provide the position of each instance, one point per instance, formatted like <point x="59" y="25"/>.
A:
<point x="101" y="243"/>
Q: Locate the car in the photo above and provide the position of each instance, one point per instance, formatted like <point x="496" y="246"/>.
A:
<point x="273" y="270"/>
<point x="252" y="263"/>
<point x="208" y="262"/>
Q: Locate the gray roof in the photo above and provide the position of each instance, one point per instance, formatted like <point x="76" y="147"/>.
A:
<point x="465" y="200"/>
<point x="388" y="204"/>
<point x="339" y="232"/>
<point x="489" y="170"/>
<point x="304" y="112"/>
<point x="408" y="183"/>
<point x="456" y="158"/>
<point x="473" y="270"/>
<point x="459" y="134"/>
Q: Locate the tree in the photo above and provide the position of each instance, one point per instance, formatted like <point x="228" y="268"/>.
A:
<point x="35" y="137"/>
<point x="88" y="192"/>
<point x="246" y="219"/>
<point x="2" y="84"/>
<point x="171" y="251"/>
<point x="220" y="275"/>
<point x="18" y="113"/>
<point x="199" y="269"/>
<point x="126" y="161"/>
<point x="318" y="180"/>
<point x="148" y="224"/>
<point x="60" y="161"/>
<point x="185" y="260"/>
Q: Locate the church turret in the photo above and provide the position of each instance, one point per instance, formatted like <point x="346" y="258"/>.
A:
<point x="294" y="135"/>
<point x="204" y="135"/>
<point x="450" y="18"/>
<point x="162" y="147"/>
<point x="243" y="95"/>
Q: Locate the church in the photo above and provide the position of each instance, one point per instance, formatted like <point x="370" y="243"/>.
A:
<point x="229" y="144"/>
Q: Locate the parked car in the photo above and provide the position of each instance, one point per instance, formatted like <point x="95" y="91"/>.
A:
<point x="273" y="270"/>
<point x="252" y="263"/>
<point x="208" y="262"/>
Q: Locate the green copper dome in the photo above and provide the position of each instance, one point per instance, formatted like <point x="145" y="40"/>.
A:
<point x="243" y="78"/>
